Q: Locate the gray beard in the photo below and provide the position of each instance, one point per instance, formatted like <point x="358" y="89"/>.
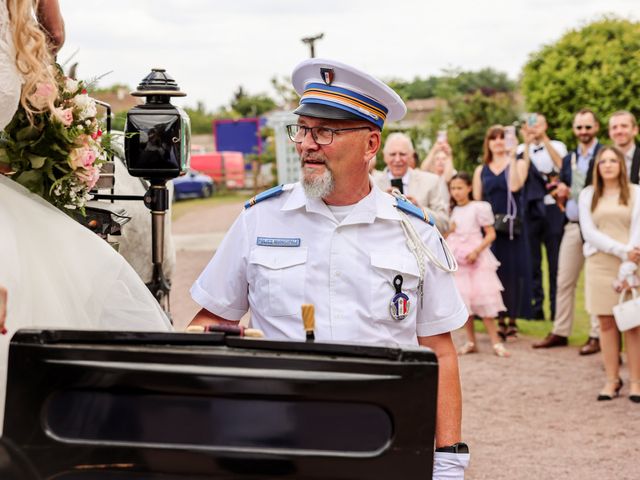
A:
<point x="317" y="186"/>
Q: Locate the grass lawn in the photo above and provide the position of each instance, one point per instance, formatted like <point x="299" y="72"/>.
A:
<point x="181" y="207"/>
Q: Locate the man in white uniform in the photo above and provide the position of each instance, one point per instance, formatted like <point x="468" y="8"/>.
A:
<point x="338" y="242"/>
<point x="423" y="189"/>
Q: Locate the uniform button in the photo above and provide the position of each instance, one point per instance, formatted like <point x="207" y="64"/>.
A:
<point x="337" y="274"/>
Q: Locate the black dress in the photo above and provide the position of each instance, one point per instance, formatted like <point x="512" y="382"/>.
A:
<point x="514" y="270"/>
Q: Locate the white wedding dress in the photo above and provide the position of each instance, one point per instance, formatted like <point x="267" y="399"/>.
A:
<point x="57" y="273"/>
<point x="10" y="80"/>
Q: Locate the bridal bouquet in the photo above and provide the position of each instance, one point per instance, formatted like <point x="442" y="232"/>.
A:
<point x="57" y="156"/>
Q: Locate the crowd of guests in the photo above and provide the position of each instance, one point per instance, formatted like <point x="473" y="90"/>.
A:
<point x="582" y="205"/>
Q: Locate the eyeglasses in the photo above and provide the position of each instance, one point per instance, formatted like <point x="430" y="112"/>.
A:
<point x="321" y="135"/>
<point x="583" y="127"/>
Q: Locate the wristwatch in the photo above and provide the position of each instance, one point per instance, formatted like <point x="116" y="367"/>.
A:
<point x="459" y="447"/>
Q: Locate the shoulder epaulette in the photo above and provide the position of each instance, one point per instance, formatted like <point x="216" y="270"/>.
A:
<point x="411" y="209"/>
<point x="271" y="193"/>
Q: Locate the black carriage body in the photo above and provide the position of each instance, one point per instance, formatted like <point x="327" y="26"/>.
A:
<point x="98" y="405"/>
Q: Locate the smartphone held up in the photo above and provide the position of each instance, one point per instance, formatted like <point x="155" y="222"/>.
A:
<point x="510" y="140"/>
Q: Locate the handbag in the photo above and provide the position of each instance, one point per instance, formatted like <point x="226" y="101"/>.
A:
<point x="502" y="224"/>
<point x="627" y="314"/>
<point x="508" y="223"/>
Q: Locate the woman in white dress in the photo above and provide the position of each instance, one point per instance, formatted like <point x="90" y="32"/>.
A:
<point x="54" y="272"/>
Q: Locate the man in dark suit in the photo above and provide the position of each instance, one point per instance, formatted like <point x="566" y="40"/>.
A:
<point x="575" y="174"/>
<point x="544" y="219"/>
<point x="623" y="129"/>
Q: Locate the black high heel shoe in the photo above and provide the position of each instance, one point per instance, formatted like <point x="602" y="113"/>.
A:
<point x="616" y="393"/>
<point x="512" y="330"/>
<point x="634" y="397"/>
<point x="502" y="330"/>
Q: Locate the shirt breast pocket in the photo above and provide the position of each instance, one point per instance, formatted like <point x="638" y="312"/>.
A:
<point x="281" y="272"/>
<point x="385" y="266"/>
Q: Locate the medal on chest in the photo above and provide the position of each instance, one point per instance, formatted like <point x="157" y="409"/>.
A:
<point x="399" y="305"/>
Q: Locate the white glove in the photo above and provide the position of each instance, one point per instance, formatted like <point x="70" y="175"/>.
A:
<point x="449" y="466"/>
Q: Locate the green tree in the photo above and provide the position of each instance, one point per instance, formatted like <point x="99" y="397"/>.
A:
<point x="287" y="96"/>
<point x="201" y="120"/>
<point x="475" y="100"/>
<point x="251" y="105"/>
<point x="596" y="66"/>
<point x="453" y="81"/>
<point x="468" y="117"/>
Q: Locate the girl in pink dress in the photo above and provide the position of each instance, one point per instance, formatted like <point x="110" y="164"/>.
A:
<point x="476" y="277"/>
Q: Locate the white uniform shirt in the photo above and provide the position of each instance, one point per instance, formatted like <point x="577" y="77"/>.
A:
<point x="344" y="269"/>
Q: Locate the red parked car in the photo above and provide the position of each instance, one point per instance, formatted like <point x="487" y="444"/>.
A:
<point x="223" y="167"/>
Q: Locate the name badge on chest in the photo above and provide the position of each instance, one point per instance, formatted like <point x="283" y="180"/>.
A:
<point x="399" y="305"/>
<point x="277" y="242"/>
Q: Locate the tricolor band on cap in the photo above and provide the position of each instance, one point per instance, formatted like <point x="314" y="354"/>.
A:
<point x="345" y="99"/>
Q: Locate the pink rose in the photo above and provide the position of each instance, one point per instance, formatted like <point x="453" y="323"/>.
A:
<point x="89" y="176"/>
<point x="82" y="157"/>
<point x="44" y="95"/>
<point x="64" y="116"/>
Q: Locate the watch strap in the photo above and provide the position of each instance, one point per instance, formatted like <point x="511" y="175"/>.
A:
<point x="459" y="447"/>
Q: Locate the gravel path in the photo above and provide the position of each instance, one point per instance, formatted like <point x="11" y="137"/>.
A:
<point x="535" y="415"/>
<point x="531" y="416"/>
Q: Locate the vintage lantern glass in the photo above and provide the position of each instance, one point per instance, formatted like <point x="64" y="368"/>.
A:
<point x="157" y="140"/>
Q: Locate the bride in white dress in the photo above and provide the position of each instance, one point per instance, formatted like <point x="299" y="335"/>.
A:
<point x="56" y="273"/>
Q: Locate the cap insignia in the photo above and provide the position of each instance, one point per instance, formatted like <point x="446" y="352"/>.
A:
<point x="327" y="75"/>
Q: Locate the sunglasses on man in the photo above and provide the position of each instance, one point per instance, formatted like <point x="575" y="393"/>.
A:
<point x="583" y="127"/>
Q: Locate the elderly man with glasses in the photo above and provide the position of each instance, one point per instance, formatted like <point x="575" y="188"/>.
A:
<point x="424" y="189"/>
<point x="375" y="268"/>
<point x="576" y="173"/>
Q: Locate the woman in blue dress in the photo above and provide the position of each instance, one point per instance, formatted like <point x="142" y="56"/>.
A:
<point x="499" y="181"/>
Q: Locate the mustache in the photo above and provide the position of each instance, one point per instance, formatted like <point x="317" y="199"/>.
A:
<point x="313" y="157"/>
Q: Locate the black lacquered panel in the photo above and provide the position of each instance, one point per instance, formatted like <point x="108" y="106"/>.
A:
<point x="253" y="423"/>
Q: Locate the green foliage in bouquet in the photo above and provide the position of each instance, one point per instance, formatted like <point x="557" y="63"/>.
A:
<point x="58" y="153"/>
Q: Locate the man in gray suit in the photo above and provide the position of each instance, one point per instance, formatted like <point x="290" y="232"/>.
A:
<point x="423" y="189"/>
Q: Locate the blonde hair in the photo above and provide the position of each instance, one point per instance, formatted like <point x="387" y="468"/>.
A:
<point x="429" y="163"/>
<point x="33" y="56"/>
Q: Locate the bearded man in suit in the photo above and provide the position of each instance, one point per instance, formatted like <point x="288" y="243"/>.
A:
<point x="424" y="189"/>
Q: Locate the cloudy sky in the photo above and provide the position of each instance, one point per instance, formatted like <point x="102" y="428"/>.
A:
<point x="212" y="46"/>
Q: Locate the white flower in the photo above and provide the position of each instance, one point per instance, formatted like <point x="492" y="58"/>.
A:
<point x="86" y="106"/>
<point x="81" y="101"/>
<point x="70" y="85"/>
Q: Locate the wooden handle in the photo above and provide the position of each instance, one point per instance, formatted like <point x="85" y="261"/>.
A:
<point x="309" y="320"/>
